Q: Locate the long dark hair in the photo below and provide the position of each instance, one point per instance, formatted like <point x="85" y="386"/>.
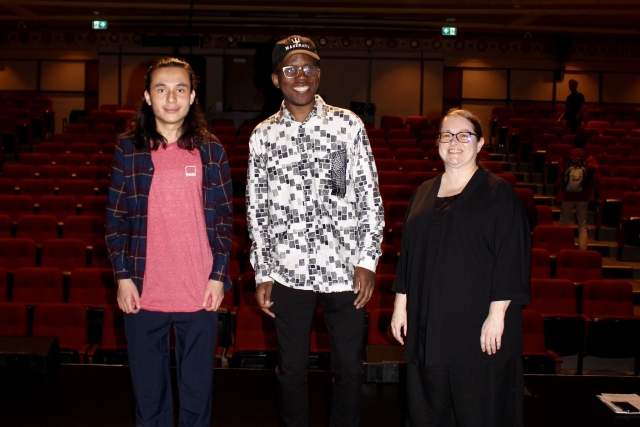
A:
<point x="194" y="127"/>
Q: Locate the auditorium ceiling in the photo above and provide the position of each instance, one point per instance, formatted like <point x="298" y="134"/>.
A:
<point x="616" y="19"/>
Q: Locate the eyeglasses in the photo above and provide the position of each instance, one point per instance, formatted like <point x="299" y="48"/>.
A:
<point x="447" y="137"/>
<point x="292" y="71"/>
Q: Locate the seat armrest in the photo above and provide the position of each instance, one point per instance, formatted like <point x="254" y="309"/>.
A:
<point x="91" y="352"/>
<point x="557" y="359"/>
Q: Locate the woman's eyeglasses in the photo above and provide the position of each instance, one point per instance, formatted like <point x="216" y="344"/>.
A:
<point x="464" y="137"/>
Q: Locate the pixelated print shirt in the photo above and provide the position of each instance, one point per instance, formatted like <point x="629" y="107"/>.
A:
<point x="313" y="206"/>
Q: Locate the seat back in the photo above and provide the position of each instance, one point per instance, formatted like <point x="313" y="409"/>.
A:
<point x="37" y="227"/>
<point x="66" y="321"/>
<point x="553" y="297"/>
<point x="545" y="215"/>
<point x="37" y="284"/>
<point x="86" y="228"/>
<point x="92" y="286"/>
<point x="613" y="188"/>
<point x="58" y="206"/>
<point x="379" y="327"/>
<point x="578" y="266"/>
<point x="113" y="336"/>
<point x="540" y="263"/>
<point x="631" y="205"/>
<point x="532" y="333"/>
<point x="601" y="298"/>
<point x="65" y="254"/>
<point x="255" y="331"/>
<point x="553" y="238"/>
<point x="15" y="206"/>
<point x="16" y="253"/>
<point x="510" y="178"/>
<point x="13" y="319"/>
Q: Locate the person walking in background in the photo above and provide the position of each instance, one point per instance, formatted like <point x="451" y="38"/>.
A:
<point x="574" y="107"/>
<point x="315" y="218"/>
<point x="461" y="281"/>
<point x="578" y="176"/>
<point x="169" y="235"/>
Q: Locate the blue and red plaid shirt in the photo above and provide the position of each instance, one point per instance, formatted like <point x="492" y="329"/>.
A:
<point x="126" y="233"/>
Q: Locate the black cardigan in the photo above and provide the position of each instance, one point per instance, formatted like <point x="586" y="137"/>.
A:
<point x="483" y="256"/>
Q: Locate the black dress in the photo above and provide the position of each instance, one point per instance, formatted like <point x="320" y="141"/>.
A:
<point x="458" y="255"/>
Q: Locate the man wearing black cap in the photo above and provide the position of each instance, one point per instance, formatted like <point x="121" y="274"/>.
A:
<point x="315" y="217"/>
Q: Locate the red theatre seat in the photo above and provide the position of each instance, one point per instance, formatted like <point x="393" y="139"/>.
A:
<point x="255" y="333"/>
<point x="37" y="228"/>
<point x="86" y="228"/>
<point x="379" y="327"/>
<point x="578" y="266"/>
<point x="540" y="263"/>
<point x="16" y="253"/>
<point x="92" y="286"/>
<point x="58" y="206"/>
<point x="68" y="322"/>
<point x="65" y="254"/>
<point x="35" y="285"/>
<point x="13" y="319"/>
<point x="613" y="331"/>
<point x="536" y="358"/>
<point x="553" y="238"/>
<point x="564" y="329"/>
<point x="15" y="206"/>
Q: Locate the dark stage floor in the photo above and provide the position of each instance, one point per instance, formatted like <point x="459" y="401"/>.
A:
<point x="94" y="395"/>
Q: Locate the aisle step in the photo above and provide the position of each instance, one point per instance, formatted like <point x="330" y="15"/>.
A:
<point x="618" y="272"/>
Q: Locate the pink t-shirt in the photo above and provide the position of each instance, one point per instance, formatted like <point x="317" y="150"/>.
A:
<point x="179" y="258"/>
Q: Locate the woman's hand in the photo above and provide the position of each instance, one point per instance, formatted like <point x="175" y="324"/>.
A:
<point x="399" y="318"/>
<point x="493" y="326"/>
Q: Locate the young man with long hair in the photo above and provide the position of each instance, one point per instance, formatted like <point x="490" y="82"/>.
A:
<point x="169" y="237"/>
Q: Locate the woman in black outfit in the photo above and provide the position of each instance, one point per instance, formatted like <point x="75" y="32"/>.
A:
<point x="462" y="278"/>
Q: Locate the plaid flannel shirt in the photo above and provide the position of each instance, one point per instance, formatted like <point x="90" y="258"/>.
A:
<point x="126" y="233"/>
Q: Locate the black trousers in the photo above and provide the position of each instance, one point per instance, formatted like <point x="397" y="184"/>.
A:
<point x="148" y="349"/>
<point x="574" y="125"/>
<point x="488" y="395"/>
<point x="294" y="310"/>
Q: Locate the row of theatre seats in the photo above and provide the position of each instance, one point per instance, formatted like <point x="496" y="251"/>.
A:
<point x="23" y="116"/>
<point x="241" y="300"/>
<point x="600" y="323"/>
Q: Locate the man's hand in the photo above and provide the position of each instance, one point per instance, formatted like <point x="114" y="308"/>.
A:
<point x="364" y="281"/>
<point x="213" y="295"/>
<point x="128" y="296"/>
<point x="263" y="296"/>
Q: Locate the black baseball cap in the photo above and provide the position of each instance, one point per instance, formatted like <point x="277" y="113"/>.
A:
<point x="292" y="45"/>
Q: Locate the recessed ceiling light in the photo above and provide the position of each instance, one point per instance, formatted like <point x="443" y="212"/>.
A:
<point x="95" y="12"/>
<point x="451" y="19"/>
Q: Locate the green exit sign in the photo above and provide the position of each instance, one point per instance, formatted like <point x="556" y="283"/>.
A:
<point x="99" y="25"/>
<point x="449" y="31"/>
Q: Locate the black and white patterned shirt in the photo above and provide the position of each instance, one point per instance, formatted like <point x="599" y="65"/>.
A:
<point x="313" y="206"/>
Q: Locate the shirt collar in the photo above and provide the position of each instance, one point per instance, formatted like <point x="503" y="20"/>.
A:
<point x="319" y="109"/>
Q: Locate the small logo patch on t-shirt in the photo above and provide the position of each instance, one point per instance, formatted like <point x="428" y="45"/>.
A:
<point x="190" y="170"/>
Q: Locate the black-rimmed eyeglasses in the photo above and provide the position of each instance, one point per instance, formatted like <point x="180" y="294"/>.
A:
<point x="464" y="137"/>
<point x="292" y="71"/>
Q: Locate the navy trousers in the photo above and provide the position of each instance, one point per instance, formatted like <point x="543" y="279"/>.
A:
<point x="148" y="349"/>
